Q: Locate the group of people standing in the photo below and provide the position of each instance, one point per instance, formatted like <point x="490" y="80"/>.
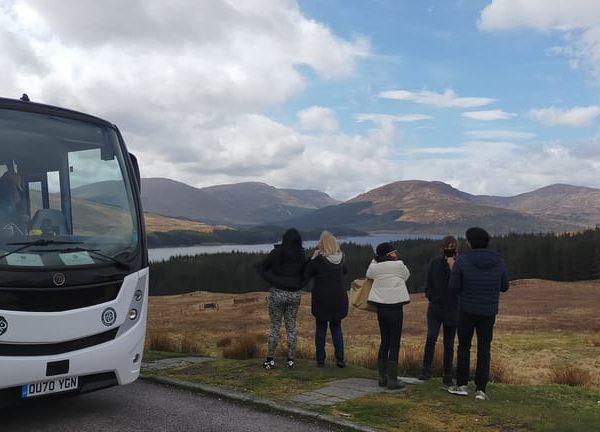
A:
<point x="462" y="289"/>
<point x="287" y="271"/>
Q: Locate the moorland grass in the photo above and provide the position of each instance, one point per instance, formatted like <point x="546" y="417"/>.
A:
<point x="510" y="408"/>
<point x="151" y="356"/>
<point x="422" y="407"/>
<point x="570" y="375"/>
<point x="547" y="332"/>
<point x="542" y="326"/>
<point x="249" y="376"/>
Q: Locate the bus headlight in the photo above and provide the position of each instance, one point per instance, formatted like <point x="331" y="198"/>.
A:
<point x="133" y="314"/>
<point x="138" y="295"/>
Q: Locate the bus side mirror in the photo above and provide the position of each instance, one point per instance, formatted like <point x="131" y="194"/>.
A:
<point x="136" y="170"/>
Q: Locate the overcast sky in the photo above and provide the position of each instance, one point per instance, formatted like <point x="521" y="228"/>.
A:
<point x="492" y="96"/>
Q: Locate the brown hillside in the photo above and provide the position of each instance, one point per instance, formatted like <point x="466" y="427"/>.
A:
<point x="158" y="223"/>
<point x="564" y="203"/>
<point x="430" y="203"/>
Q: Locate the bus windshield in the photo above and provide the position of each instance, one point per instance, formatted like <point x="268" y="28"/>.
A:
<point x="65" y="196"/>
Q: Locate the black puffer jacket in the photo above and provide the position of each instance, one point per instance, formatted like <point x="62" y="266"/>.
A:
<point x="477" y="278"/>
<point x="284" y="267"/>
<point x="329" y="293"/>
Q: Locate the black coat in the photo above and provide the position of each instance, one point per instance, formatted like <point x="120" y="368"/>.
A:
<point x="329" y="293"/>
<point x="284" y="268"/>
<point x="438" y="292"/>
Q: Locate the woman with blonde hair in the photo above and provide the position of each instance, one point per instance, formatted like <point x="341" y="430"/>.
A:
<point x="329" y="296"/>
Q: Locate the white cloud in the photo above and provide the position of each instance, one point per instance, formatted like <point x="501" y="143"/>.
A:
<point x="443" y="100"/>
<point x="489" y="115"/>
<point x="401" y="118"/>
<point x="496" y="134"/>
<point x="579" y="20"/>
<point x="575" y="117"/>
<point x="505" y="168"/>
<point x="539" y="14"/>
<point x="190" y="83"/>
<point x="187" y="82"/>
<point x="318" y="118"/>
<point x="436" y="151"/>
<point x="255" y="148"/>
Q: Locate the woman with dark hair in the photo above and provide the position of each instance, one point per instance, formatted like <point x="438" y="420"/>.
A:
<point x="442" y="310"/>
<point x="389" y="294"/>
<point x="283" y="269"/>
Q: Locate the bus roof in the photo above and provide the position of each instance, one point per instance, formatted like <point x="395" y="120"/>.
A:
<point x="26" y="105"/>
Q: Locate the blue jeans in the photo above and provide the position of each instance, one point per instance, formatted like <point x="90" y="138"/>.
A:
<point x="483" y="326"/>
<point x="336" y="335"/>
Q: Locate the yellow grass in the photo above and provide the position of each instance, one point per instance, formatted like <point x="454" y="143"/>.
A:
<point x="158" y="223"/>
<point x="571" y="375"/>
<point x="542" y="327"/>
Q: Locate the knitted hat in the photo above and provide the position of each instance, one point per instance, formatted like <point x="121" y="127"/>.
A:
<point x="383" y="249"/>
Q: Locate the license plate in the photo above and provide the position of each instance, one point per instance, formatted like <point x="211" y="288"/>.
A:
<point x="57" y="385"/>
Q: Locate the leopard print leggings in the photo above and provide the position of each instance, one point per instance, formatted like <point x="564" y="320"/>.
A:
<point x="283" y="304"/>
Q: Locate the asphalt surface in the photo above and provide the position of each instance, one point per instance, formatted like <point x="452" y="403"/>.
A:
<point x="144" y="406"/>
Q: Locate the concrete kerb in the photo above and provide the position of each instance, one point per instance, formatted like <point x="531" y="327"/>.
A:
<point x="258" y="402"/>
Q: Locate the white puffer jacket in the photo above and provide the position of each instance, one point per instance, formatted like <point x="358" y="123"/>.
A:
<point x="389" y="282"/>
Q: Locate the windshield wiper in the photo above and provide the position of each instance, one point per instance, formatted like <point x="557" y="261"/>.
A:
<point x="95" y="252"/>
<point x="38" y="242"/>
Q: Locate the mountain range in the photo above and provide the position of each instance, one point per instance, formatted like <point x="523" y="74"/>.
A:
<point x="435" y="207"/>
<point x="250" y="203"/>
<point x="411" y="206"/>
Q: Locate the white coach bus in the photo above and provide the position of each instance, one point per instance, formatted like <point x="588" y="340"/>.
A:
<point x="73" y="254"/>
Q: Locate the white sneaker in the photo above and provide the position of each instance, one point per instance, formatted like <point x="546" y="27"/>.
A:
<point x="459" y="390"/>
<point x="480" y="394"/>
<point x="269" y="364"/>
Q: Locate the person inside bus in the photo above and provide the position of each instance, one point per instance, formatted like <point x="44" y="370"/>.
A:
<point x="12" y="202"/>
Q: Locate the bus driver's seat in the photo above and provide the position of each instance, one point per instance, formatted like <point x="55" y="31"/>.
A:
<point x="49" y="221"/>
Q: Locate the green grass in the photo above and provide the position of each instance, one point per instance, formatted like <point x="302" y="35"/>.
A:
<point x="424" y="407"/>
<point x="248" y="376"/>
<point x="150" y="356"/>
<point x="428" y="407"/>
<point x="570" y="342"/>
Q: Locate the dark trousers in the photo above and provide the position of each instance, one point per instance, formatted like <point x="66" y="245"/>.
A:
<point x="435" y="319"/>
<point x="336" y="335"/>
<point x="483" y="325"/>
<point x="390" y="329"/>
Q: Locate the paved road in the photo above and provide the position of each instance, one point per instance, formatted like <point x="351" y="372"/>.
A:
<point x="143" y="406"/>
